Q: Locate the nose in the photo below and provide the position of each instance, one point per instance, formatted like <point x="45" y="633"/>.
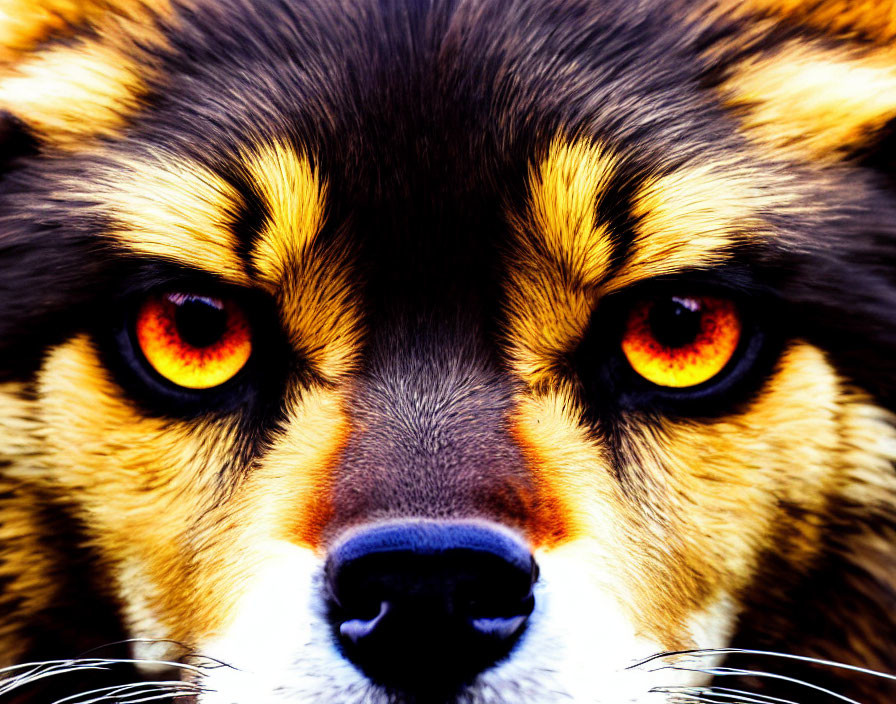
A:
<point x="425" y="606"/>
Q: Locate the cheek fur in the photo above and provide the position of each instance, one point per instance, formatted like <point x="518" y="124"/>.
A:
<point x="158" y="503"/>
<point x="681" y="516"/>
<point x="139" y="483"/>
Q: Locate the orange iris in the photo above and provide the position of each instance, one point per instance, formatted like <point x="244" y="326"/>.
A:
<point x="193" y="341"/>
<point x="681" y="341"/>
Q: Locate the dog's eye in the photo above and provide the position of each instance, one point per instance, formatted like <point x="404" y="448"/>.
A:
<point x="194" y="341"/>
<point x="681" y="341"/>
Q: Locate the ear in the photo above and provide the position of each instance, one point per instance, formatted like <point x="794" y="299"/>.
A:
<point x="73" y="70"/>
<point x="813" y="78"/>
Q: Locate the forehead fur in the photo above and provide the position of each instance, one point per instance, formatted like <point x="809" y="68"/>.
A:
<point x="626" y="178"/>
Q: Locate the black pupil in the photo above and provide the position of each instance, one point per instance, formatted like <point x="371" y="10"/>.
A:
<point x="675" y="322"/>
<point x="200" y="322"/>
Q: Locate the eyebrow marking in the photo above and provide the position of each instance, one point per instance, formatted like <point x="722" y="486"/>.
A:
<point x="179" y="210"/>
<point x="561" y="251"/>
<point x="295" y="197"/>
<point x="565" y="192"/>
<point x="175" y="210"/>
<point x="312" y="282"/>
<point x="566" y="259"/>
<point x="690" y="219"/>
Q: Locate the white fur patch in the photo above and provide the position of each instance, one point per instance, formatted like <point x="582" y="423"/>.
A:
<point x="579" y="646"/>
<point x="278" y="647"/>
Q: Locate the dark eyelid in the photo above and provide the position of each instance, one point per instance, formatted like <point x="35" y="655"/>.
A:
<point x="258" y="385"/>
<point x="609" y="386"/>
<point x="140" y="275"/>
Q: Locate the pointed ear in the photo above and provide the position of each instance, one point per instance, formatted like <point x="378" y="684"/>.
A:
<point x="818" y="77"/>
<point x="72" y="70"/>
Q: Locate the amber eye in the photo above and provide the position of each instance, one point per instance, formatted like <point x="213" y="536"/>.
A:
<point x="681" y="341"/>
<point x="194" y="341"/>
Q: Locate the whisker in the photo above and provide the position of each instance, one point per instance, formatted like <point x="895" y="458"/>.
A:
<point x="731" y="671"/>
<point x="35" y="665"/>
<point x="94" y="662"/>
<point x="25" y="674"/>
<point x="162" y="696"/>
<point x="157" y="697"/>
<point x="196" y="669"/>
<point x="676" y="692"/>
<point x="724" y="694"/>
<point x="771" y="653"/>
<point x="18" y="681"/>
<point x="188" y="652"/>
<point x="715" y="698"/>
<point x="756" y="696"/>
<point x="8" y="683"/>
<point x="682" y="698"/>
<point x="128" y="641"/>
<point x="682" y="694"/>
<point x="128" y="698"/>
<point x="115" y="690"/>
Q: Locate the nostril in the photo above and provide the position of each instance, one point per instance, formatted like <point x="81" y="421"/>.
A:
<point x="357" y="628"/>
<point x="427" y="604"/>
<point x="501" y="627"/>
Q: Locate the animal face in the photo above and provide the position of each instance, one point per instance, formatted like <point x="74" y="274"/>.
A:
<point x="450" y="352"/>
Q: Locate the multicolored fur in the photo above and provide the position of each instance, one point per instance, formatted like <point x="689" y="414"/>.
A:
<point x="436" y="214"/>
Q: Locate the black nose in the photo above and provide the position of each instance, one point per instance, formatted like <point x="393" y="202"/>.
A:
<point x="426" y="606"/>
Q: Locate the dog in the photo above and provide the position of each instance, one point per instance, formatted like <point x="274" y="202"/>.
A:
<point x="447" y="351"/>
